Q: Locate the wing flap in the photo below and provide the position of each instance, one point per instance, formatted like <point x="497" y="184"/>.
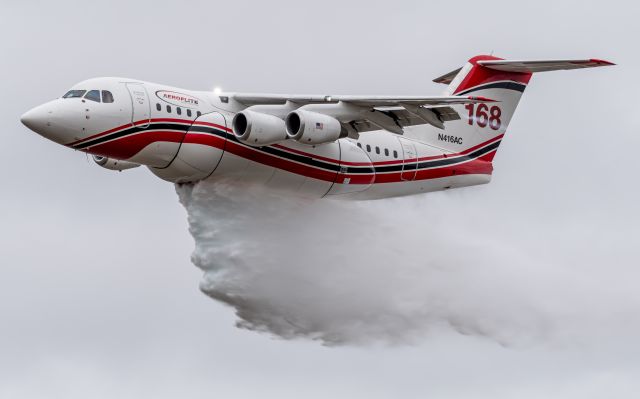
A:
<point x="402" y="117"/>
<point x="445" y="114"/>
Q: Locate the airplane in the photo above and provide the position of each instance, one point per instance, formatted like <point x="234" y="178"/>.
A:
<point x="334" y="146"/>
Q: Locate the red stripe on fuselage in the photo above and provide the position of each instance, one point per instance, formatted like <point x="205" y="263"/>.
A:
<point x="285" y="164"/>
<point x="129" y="125"/>
<point x="128" y="146"/>
<point x="205" y="139"/>
<point x="282" y="147"/>
<point x="476" y="166"/>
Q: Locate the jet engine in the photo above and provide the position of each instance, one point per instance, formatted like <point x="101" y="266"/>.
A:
<point x="313" y="128"/>
<point x="114" y="164"/>
<point x="258" y="129"/>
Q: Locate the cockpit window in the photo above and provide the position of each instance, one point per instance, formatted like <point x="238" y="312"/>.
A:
<point x="74" y="93"/>
<point x="107" y="97"/>
<point x="93" y="95"/>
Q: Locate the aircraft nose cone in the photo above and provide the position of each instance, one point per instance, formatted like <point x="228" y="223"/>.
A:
<point x="36" y="119"/>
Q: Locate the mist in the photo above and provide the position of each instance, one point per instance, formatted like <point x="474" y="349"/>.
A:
<point x="392" y="271"/>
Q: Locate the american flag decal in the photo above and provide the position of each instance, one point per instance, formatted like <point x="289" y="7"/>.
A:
<point x="319" y="125"/>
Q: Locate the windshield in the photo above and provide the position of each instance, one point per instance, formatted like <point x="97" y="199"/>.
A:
<point x="74" y="93"/>
<point x="93" y="95"/>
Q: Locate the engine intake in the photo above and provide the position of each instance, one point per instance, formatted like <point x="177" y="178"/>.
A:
<point x="313" y="128"/>
<point x="258" y="129"/>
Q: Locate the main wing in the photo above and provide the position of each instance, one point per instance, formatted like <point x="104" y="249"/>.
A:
<point x="263" y="99"/>
<point x="360" y="114"/>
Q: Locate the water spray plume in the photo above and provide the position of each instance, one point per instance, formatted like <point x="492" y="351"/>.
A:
<point x="352" y="273"/>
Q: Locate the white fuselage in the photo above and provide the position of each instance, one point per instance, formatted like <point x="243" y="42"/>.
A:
<point x="185" y="136"/>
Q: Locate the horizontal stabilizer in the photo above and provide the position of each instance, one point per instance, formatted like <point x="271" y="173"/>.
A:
<point x="541" y="66"/>
<point x="447" y="77"/>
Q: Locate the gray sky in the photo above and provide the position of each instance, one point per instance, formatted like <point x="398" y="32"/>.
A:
<point x="98" y="297"/>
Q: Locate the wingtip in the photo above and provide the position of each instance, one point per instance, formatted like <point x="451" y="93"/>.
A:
<point x="601" y="62"/>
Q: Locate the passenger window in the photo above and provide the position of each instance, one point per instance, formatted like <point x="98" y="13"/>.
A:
<point x="368" y="148"/>
<point x="93" y="95"/>
<point x="198" y="113"/>
<point x="169" y="108"/>
<point x="360" y="145"/>
<point x="395" y="154"/>
<point x="158" y="107"/>
<point x="179" y="110"/>
<point x="107" y="97"/>
<point x="74" y="93"/>
<point x="188" y="112"/>
<point x="377" y="150"/>
<point x="386" y="152"/>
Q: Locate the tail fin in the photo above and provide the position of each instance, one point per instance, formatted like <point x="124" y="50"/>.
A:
<point x="500" y="80"/>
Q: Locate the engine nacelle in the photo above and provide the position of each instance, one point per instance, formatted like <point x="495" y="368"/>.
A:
<point x="114" y="164"/>
<point x="313" y="128"/>
<point x="258" y="129"/>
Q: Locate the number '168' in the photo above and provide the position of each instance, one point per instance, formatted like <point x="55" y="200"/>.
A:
<point x="484" y="116"/>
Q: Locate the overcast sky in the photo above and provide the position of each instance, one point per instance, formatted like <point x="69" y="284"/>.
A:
<point x="99" y="298"/>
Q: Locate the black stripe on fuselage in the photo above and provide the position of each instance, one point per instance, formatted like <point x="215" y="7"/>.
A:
<point x="273" y="150"/>
<point x="130" y="131"/>
<point x="496" y="85"/>
<point x="438" y="162"/>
